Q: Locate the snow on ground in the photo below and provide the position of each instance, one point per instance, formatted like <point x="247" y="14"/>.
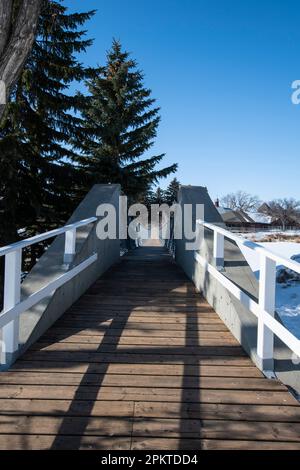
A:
<point x="288" y="306"/>
<point x="286" y="249"/>
<point x="287" y="294"/>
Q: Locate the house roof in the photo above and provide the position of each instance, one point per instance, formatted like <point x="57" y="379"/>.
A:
<point x="240" y="216"/>
<point x="229" y="215"/>
<point x="260" y="218"/>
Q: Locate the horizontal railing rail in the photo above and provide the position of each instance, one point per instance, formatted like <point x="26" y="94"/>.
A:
<point x="13" y="305"/>
<point x="45" y="236"/>
<point x="264" y="309"/>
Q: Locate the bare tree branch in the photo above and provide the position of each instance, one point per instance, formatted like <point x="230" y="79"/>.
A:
<point x="240" y="201"/>
<point x="18" y="23"/>
<point x="285" y="210"/>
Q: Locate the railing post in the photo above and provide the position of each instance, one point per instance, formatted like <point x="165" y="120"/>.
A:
<point x="70" y="246"/>
<point x="267" y="291"/>
<point x="12" y="294"/>
<point x="219" y="249"/>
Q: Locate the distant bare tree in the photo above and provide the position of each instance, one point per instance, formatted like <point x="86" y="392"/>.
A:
<point x="285" y="210"/>
<point x="240" y="201"/>
<point x="18" y="23"/>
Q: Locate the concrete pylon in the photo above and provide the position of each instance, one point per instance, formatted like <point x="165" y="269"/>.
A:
<point x="241" y="322"/>
<point x="34" y="322"/>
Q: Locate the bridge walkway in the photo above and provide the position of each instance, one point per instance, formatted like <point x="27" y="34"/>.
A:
<point x="141" y="361"/>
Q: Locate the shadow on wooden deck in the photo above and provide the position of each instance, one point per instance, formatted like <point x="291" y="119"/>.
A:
<point x="141" y="361"/>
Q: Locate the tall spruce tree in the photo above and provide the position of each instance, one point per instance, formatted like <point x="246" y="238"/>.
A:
<point x="40" y="132"/>
<point x="123" y="124"/>
<point x="172" y="191"/>
<point x="156" y="197"/>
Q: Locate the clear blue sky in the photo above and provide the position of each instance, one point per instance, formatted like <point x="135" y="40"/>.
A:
<point x="221" y="70"/>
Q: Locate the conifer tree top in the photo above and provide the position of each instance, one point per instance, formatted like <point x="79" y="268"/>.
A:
<point x="123" y="121"/>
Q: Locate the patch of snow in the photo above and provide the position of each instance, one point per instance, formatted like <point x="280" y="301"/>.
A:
<point x="260" y="218"/>
<point x="286" y="249"/>
<point x="288" y="306"/>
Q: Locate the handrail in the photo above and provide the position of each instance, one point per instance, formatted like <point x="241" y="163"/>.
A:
<point x="13" y="306"/>
<point x="264" y="309"/>
<point x="44" y="236"/>
<point x="293" y="265"/>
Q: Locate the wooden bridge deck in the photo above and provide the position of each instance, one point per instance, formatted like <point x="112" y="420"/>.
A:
<point x="142" y="362"/>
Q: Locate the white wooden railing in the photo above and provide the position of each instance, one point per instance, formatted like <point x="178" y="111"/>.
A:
<point x="13" y="305"/>
<point x="264" y="309"/>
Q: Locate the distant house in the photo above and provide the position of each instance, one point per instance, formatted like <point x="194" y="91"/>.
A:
<point x="260" y="218"/>
<point x="264" y="209"/>
<point x="292" y="222"/>
<point x="241" y="220"/>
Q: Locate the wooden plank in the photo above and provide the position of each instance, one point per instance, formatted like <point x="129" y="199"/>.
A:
<point x="142" y="309"/>
<point x="140" y="369"/>
<point x="178" y="395"/>
<point x="97" y="348"/>
<point x="150" y="318"/>
<point x="125" y="358"/>
<point x="135" y="301"/>
<point x="135" y="340"/>
<point x="85" y="321"/>
<point x="153" y="381"/>
<point x="215" y="429"/>
<point x="75" y="425"/>
<point x="237" y="412"/>
<point x="184" y="428"/>
<point x="90" y="330"/>
<point x="181" y="285"/>
<point x="112" y="326"/>
<point x="248" y="445"/>
<point x="146" y="443"/>
<point x="134" y="291"/>
<point x="45" y="407"/>
<point x="38" y="442"/>
<point x="100" y="333"/>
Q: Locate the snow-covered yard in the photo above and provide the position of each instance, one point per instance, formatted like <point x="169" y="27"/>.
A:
<point x="288" y="292"/>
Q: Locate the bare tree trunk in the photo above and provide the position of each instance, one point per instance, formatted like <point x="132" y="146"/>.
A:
<point x="18" y="23"/>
